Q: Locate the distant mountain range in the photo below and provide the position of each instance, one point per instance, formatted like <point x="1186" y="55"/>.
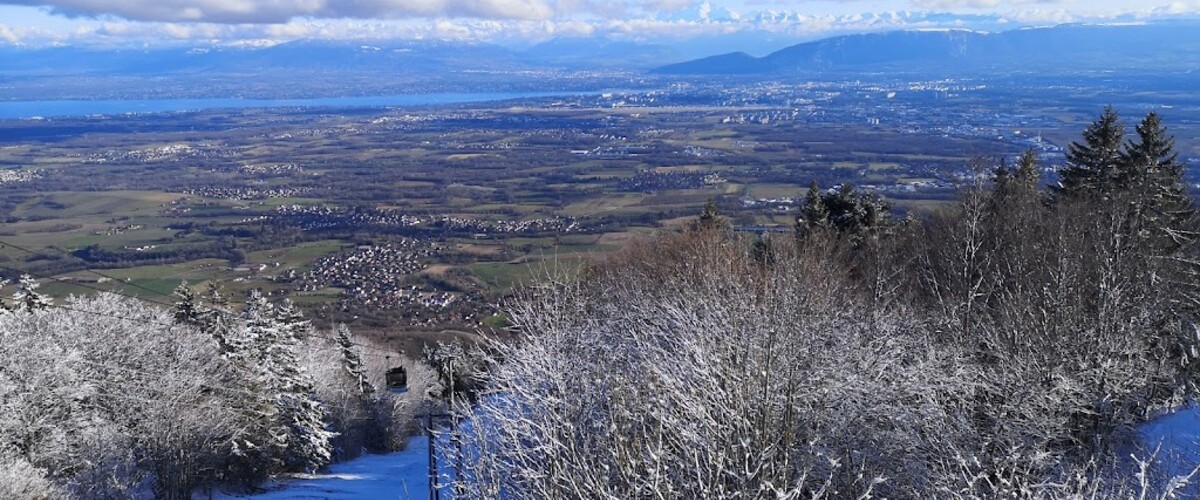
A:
<point x="1063" y="49"/>
<point x="1066" y="48"/>
<point x="328" y="56"/>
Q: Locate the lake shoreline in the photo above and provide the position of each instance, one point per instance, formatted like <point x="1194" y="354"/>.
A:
<point x="41" y="110"/>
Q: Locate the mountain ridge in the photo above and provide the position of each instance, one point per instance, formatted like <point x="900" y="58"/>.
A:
<point x="1066" y="47"/>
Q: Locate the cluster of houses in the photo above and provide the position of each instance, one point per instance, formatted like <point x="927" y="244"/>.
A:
<point x="325" y="217"/>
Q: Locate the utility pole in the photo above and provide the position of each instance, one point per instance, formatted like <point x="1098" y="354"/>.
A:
<point x="433" y="472"/>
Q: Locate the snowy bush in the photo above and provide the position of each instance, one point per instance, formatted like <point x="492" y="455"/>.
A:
<point x="108" y="397"/>
<point x="691" y="367"/>
<point x="20" y="479"/>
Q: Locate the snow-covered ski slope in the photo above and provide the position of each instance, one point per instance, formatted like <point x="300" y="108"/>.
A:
<point x="401" y="475"/>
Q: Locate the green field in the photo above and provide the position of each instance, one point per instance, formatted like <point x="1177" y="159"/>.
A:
<point x="494" y="195"/>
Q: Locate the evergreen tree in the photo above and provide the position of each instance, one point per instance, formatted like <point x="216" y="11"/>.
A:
<point x="1027" y="176"/>
<point x="4" y="307"/>
<point x="1094" y="168"/>
<point x="27" y="298"/>
<point x="709" y="213"/>
<point x="1156" y="175"/>
<point x="1154" y="149"/>
<point x="1019" y="182"/>
<point x="709" y="218"/>
<point x="762" y="251"/>
<point x="1001" y="177"/>
<point x="855" y="213"/>
<point x="843" y="208"/>
<point x="873" y="211"/>
<point x="354" y="363"/>
<point x="214" y="296"/>
<point x="215" y="320"/>
<point x="292" y="320"/>
<point x="297" y="423"/>
<point x="814" y="214"/>
<point x="187" y="305"/>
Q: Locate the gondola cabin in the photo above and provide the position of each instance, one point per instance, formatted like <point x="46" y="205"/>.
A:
<point x="397" y="379"/>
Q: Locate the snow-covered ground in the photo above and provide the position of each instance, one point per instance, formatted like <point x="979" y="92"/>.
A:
<point x="404" y="474"/>
<point x="1178" y="435"/>
<point x="400" y="475"/>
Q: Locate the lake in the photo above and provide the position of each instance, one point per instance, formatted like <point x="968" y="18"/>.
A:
<point x="51" y="109"/>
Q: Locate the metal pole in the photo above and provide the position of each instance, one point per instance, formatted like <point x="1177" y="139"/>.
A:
<point x="433" y="486"/>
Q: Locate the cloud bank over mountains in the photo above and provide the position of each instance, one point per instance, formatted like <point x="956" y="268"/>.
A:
<point x="282" y="11"/>
<point x="234" y="22"/>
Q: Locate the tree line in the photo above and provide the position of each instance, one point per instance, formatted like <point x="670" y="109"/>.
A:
<point x="1008" y="346"/>
<point x="111" y="397"/>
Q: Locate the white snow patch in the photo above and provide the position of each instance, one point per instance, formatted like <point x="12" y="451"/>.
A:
<point x="400" y="475"/>
<point x="1178" y="434"/>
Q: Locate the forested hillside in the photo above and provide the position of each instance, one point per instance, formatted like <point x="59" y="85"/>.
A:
<point x="109" y="397"/>
<point x="1007" y="347"/>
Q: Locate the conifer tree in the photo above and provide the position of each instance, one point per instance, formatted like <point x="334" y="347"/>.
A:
<point x="843" y="208"/>
<point x="215" y="320"/>
<point x="354" y="363"/>
<point x="814" y="213"/>
<point x="27" y="298"/>
<point x="291" y="320"/>
<point x="4" y="307"/>
<point x="1155" y="173"/>
<point x="297" y="423"/>
<point x="1154" y="149"/>
<point x="187" y="305"/>
<point x="214" y="296"/>
<point x="1094" y="167"/>
<point x="1001" y="177"/>
<point x="853" y="212"/>
<point x="710" y="217"/>
<point x="1016" y="183"/>
<point x="1027" y="176"/>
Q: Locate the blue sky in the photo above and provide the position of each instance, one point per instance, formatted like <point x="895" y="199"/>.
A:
<point x="233" y="22"/>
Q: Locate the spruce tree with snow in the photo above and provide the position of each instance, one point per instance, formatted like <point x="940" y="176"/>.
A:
<point x="27" y="298"/>
<point x="299" y="430"/>
<point x="215" y="320"/>
<point x="292" y="320"/>
<point x="4" y="307"/>
<point x="354" y="364"/>
<point x="187" y="305"/>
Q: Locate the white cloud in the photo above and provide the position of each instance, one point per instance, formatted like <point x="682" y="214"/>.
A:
<point x="284" y="11"/>
<point x="980" y="4"/>
<point x="620" y="20"/>
<point x="7" y="35"/>
<point x="280" y="11"/>
<point x="1179" y="7"/>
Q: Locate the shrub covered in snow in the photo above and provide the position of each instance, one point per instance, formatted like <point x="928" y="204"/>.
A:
<point x="841" y="368"/>
<point x="108" y="397"/>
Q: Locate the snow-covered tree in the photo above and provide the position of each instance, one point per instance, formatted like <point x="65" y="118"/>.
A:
<point x="353" y="361"/>
<point x="291" y="320"/>
<point x="4" y="307"/>
<point x="721" y="378"/>
<point x="108" y="397"/>
<point x="187" y="304"/>
<point x="26" y="298"/>
<point x="296" y="424"/>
